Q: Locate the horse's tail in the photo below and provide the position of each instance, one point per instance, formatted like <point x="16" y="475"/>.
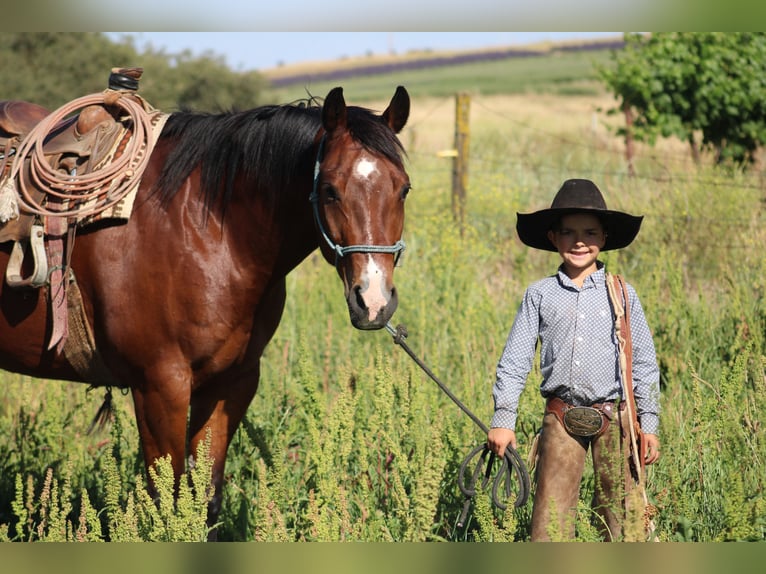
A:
<point x="104" y="413"/>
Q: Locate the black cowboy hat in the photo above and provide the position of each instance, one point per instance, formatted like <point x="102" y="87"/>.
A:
<point x="577" y="196"/>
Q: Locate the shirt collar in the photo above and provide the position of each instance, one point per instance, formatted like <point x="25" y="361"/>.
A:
<point x="598" y="277"/>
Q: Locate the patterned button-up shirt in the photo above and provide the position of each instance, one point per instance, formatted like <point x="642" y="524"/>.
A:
<point x="579" y="356"/>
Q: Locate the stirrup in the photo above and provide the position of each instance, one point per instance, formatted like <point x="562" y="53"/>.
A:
<point x="39" y="276"/>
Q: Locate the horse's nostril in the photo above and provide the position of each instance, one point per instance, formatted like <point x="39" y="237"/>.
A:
<point x="359" y="298"/>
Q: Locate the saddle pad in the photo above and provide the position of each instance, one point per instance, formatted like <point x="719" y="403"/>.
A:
<point x="123" y="208"/>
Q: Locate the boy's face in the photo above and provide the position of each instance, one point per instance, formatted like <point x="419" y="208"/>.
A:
<point x="578" y="239"/>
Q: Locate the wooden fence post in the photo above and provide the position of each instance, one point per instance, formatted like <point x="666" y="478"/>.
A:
<point x="630" y="151"/>
<point x="460" y="161"/>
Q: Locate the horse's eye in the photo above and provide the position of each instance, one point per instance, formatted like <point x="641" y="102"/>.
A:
<point x="330" y="194"/>
<point x="405" y="190"/>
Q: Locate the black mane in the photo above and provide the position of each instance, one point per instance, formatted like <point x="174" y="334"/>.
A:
<point x="271" y="146"/>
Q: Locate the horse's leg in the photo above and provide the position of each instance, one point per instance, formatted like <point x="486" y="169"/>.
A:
<point x="218" y="409"/>
<point x="220" y="405"/>
<point x="162" y="405"/>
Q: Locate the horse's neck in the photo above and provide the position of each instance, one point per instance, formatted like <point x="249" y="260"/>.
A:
<point x="299" y="236"/>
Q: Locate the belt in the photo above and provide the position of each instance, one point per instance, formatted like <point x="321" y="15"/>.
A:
<point x="585" y="421"/>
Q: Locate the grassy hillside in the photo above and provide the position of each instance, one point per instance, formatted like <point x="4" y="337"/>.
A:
<point x="541" y="70"/>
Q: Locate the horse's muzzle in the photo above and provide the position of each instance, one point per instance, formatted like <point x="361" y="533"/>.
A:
<point x="365" y="317"/>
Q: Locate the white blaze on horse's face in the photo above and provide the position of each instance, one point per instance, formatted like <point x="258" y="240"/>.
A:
<point x="373" y="282"/>
<point x="375" y="296"/>
<point x="365" y="167"/>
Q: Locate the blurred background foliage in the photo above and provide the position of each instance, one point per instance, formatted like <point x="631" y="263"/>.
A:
<point x="52" y="68"/>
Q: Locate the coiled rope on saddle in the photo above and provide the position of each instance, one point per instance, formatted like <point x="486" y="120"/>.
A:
<point x="89" y="193"/>
<point x="486" y="458"/>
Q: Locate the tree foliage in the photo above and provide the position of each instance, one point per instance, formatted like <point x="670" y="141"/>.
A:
<point x="706" y="88"/>
<point x="53" y="68"/>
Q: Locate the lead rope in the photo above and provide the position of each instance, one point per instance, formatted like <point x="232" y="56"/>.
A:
<point x="511" y="459"/>
<point x="622" y="331"/>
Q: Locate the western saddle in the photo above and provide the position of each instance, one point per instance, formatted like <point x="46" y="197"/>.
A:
<point x="60" y="170"/>
<point x="79" y="144"/>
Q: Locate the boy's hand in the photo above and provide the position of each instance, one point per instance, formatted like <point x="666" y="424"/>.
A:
<point x="652" y="448"/>
<point x="499" y="438"/>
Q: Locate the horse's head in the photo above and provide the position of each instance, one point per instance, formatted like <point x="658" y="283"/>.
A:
<point x="359" y="191"/>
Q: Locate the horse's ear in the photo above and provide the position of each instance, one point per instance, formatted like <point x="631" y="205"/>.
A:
<point x="398" y="110"/>
<point x="334" y="111"/>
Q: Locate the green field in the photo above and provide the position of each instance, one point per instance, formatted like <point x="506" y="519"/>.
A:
<point x="348" y="441"/>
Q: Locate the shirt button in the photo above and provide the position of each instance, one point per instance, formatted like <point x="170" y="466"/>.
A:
<point x="579" y="339"/>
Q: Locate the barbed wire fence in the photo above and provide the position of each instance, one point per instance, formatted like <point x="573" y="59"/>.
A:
<point x="670" y="168"/>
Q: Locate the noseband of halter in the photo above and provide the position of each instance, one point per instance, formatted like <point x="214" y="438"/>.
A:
<point x="397" y="248"/>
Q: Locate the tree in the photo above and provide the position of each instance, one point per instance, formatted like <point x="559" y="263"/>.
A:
<point x="53" y="68"/>
<point x="692" y="85"/>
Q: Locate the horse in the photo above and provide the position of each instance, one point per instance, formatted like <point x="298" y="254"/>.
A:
<point x="184" y="296"/>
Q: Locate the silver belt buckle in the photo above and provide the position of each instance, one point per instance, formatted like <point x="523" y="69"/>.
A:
<point x="583" y="421"/>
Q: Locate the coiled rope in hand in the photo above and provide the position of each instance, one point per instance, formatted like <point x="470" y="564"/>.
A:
<point x="89" y="193"/>
<point x="485" y="463"/>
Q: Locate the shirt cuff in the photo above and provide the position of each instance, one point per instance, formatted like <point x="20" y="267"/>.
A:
<point x="504" y="418"/>
<point x="650" y="423"/>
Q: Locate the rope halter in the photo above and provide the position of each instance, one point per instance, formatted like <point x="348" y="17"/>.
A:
<point x="340" y="251"/>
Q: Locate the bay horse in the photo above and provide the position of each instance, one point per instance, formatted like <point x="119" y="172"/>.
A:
<point x="183" y="298"/>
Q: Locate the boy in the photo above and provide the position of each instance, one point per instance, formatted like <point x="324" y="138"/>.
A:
<point x="571" y="315"/>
